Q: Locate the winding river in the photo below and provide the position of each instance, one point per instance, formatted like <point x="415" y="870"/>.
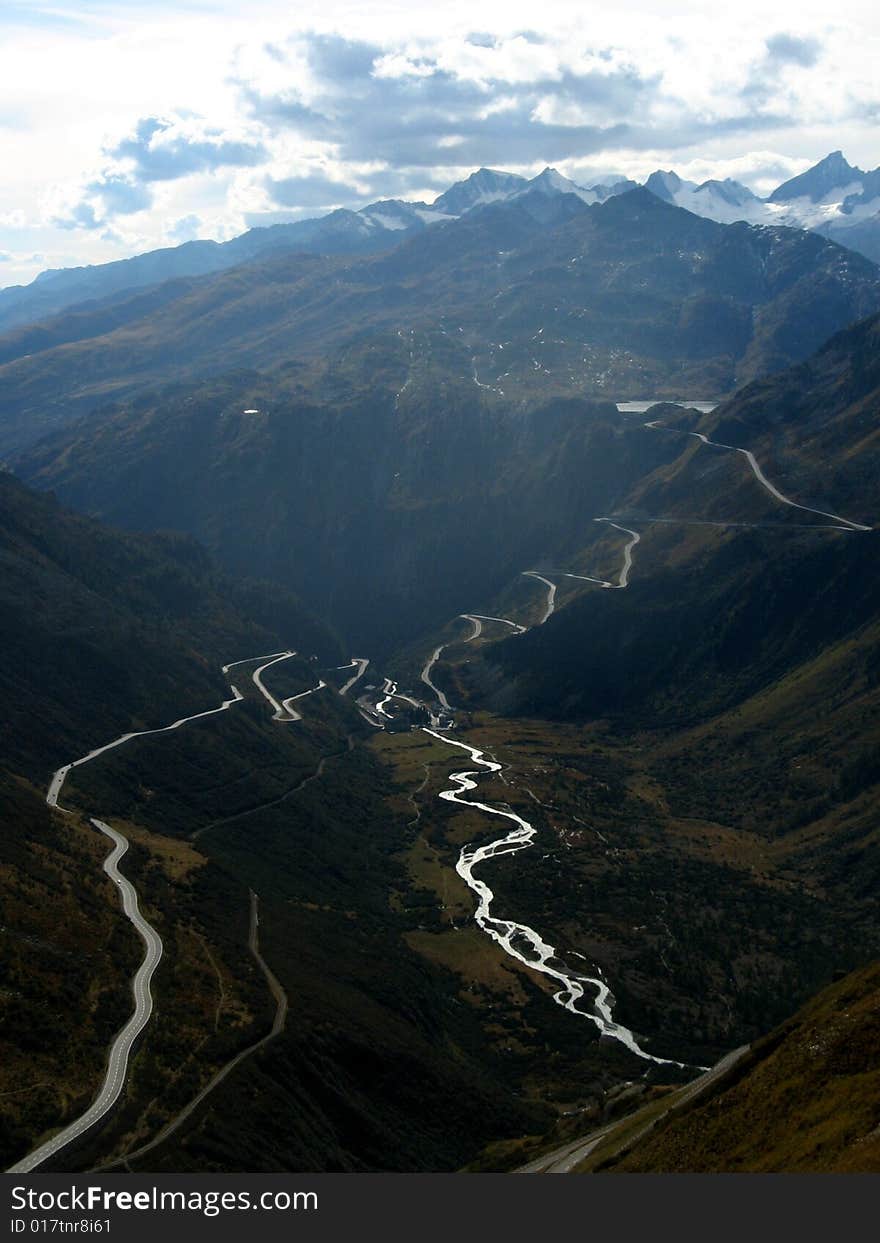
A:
<point x="519" y="940"/>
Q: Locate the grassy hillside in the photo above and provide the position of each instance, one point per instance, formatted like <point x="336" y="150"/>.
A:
<point x="822" y="415"/>
<point x="699" y="750"/>
<point x="805" y="1098"/>
<point x="102" y="633"/>
<point x="304" y="814"/>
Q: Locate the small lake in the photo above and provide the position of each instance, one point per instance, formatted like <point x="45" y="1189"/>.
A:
<point x="640" y="407"/>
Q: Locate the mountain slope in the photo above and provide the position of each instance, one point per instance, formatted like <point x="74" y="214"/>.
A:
<point x="100" y="628"/>
<point x="815" y="433"/>
<point x="364" y="480"/>
<point x="622" y="298"/>
<point x="823" y="413"/>
<point x="375" y="227"/>
<point x="805" y="1098"/>
<point x="340" y="233"/>
<point x="104" y="633"/>
<point x="833" y="198"/>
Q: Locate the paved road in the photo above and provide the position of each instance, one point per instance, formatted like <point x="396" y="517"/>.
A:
<point x="562" y="1160"/>
<point x="505" y="621"/>
<point x="278" y="1024"/>
<point x="283" y="710"/>
<point x="845" y="524"/>
<point x="360" y="664"/>
<point x="287" y="704"/>
<point x="279" y="712"/>
<point x="476" y="620"/>
<point x="551" y="593"/>
<point x="584" y="578"/>
<point x="477" y="623"/>
<point x="59" y="777"/>
<point x="426" y="676"/>
<point x="774" y="491"/>
<point x="623" y="579"/>
<point x="565" y="1159"/>
<point x="120" y="1050"/>
<point x="250" y="660"/>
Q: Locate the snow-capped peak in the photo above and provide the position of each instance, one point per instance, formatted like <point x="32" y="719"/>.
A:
<point x="486" y="185"/>
<point x="666" y="185"/>
<point x="831" y="174"/>
<point x="729" y="191"/>
<point x="550" y="181"/>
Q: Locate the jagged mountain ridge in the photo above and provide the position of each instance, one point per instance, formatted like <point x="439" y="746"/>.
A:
<point x="624" y="298"/>
<point x="833" y="197"/>
<point x="384" y="445"/>
<point x="376" y="227"/>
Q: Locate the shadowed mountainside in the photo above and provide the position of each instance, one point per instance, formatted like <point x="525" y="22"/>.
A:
<point x="805" y="1098"/>
<point x="625" y="298"/>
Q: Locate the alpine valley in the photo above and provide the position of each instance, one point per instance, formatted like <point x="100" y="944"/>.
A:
<point x="442" y="688"/>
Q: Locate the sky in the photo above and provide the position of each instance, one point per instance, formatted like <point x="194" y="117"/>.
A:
<point x="126" y="126"/>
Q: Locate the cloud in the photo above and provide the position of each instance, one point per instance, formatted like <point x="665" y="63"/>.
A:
<point x="156" y="150"/>
<point x="793" y="50"/>
<point x="407" y="109"/>
<point x="769" y="79"/>
<point x="120" y="195"/>
<point x="186" y="229"/>
<point x="286" y="112"/>
<point x="78" y="216"/>
<point x="309" y="191"/>
<point x="516" y="102"/>
<point x="100" y="201"/>
<point x="161" y="149"/>
<point x="335" y="58"/>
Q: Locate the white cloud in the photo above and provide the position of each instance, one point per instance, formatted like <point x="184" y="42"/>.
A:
<point x="240" y="112"/>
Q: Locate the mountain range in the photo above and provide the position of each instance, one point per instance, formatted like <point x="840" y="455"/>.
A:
<point x="377" y="226"/>
<point x="643" y="443"/>
<point x="833" y="198"/>
<point x="406" y="378"/>
<point x="620" y="299"/>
